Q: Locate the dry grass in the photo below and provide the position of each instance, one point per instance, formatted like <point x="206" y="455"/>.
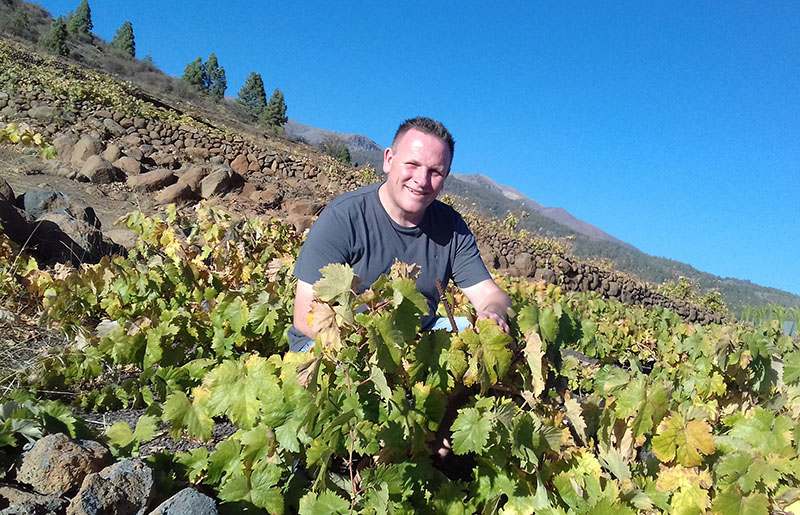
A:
<point x="23" y="343"/>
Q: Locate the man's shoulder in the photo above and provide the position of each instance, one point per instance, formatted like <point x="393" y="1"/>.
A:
<point x="441" y="211"/>
<point x="357" y="197"/>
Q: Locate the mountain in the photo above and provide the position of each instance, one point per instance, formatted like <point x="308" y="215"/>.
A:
<point x="362" y="149"/>
<point x="556" y="214"/>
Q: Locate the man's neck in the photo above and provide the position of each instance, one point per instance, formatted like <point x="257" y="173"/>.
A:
<point x="400" y="217"/>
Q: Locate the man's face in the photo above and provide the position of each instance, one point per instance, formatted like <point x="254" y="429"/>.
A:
<point x="416" y="168"/>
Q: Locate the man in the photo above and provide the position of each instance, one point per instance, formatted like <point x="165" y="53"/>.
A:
<point x="400" y="218"/>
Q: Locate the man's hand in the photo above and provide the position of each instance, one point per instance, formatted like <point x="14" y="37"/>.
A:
<point x="491" y="315"/>
<point x="490" y="302"/>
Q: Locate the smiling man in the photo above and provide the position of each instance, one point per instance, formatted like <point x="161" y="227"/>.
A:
<point x="400" y="219"/>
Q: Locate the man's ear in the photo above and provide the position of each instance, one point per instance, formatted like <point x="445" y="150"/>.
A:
<point x="388" y="155"/>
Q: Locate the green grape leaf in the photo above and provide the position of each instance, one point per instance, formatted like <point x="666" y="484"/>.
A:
<point x="685" y="442"/>
<point x="264" y="493"/>
<point x="180" y="413"/>
<point x="327" y="503"/>
<point x="548" y="324"/>
<point x="494" y="356"/>
<point x="471" y="431"/>
<point x="733" y="502"/>
<point x="379" y="379"/>
<point x="263" y="315"/>
<point x="528" y="318"/>
<point x="146" y="428"/>
<point x="235" y="488"/>
<point x="195" y="461"/>
<point x="286" y="434"/>
<point x="791" y="367"/>
<point x="119" y="434"/>
<point x="337" y="283"/>
<point x="240" y="388"/>
<point x="613" y="461"/>
<point x="406" y="289"/>
<point x="224" y="461"/>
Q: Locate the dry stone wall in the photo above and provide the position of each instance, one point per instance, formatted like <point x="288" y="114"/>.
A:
<point x="524" y="256"/>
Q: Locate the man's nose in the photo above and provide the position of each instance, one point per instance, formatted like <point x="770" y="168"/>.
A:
<point x="422" y="176"/>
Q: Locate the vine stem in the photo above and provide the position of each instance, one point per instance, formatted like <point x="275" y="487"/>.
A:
<point x="448" y="309"/>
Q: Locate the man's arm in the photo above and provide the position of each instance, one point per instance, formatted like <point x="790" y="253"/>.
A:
<point x="490" y="302"/>
<point x="303" y="298"/>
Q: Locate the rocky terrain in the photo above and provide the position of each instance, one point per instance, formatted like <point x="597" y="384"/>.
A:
<point x="80" y="477"/>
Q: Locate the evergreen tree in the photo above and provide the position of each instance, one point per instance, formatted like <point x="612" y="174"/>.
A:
<point x="252" y="95"/>
<point x="274" y="116"/>
<point x="55" y="40"/>
<point x="80" y="22"/>
<point x="124" y="41"/>
<point x="217" y="82"/>
<point x="195" y="74"/>
<point x="336" y="148"/>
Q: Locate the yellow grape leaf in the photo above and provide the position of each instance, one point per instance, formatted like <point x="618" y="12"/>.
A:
<point x="534" y="352"/>
<point x="322" y="320"/>
<point x="575" y="416"/>
<point x="689" y="488"/>
<point x="684" y="442"/>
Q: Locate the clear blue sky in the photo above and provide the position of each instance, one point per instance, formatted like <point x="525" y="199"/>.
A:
<point x="673" y="126"/>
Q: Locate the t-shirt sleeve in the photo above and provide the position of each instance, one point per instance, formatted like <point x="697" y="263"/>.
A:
<point x="328" y="241"/>
<point x="468" y="267"/>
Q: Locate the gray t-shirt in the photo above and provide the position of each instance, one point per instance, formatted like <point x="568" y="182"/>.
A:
<point x="356" y="229"/>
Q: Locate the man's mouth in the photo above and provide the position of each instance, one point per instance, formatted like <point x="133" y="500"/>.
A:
<point x="414" y="191"/>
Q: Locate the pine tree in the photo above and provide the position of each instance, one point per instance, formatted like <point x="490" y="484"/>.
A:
<point x="55" y="40"/>
<point x="336" y="148"/>
<point x="80" y="22"/>
<point x="252" y="95"/>
<point x="217" y="82"/>
<point x="195" y="74"/>
<point x="124" y="41"/>
<point x="274" y="116"/>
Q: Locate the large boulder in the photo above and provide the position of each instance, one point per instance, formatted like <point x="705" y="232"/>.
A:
<point x="99" y="171"/>
<point x="43" y="113"/>
<point x="216" y="183"/>
<point x="113" y="127"/>
<point x="38" y="202"/>
<point x="16" y="224"/>
<point x="112" y="153"/>
<point x="124" y="488"/>
<point x="61" y="238"/>
<point x="178" y="193"/>
<point x="20" y="502"/>
<point x="240" y="164"/>
<point x="57" y="465"/>
<point x="64" y="144"/>
<point x="128" y="165"/>
<point x="192" y="177"/>
<point x="153" y="180"/>
<point x="187" y="502"/>
<point x="302" y="207"/>
<point x="85" y="148"/>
